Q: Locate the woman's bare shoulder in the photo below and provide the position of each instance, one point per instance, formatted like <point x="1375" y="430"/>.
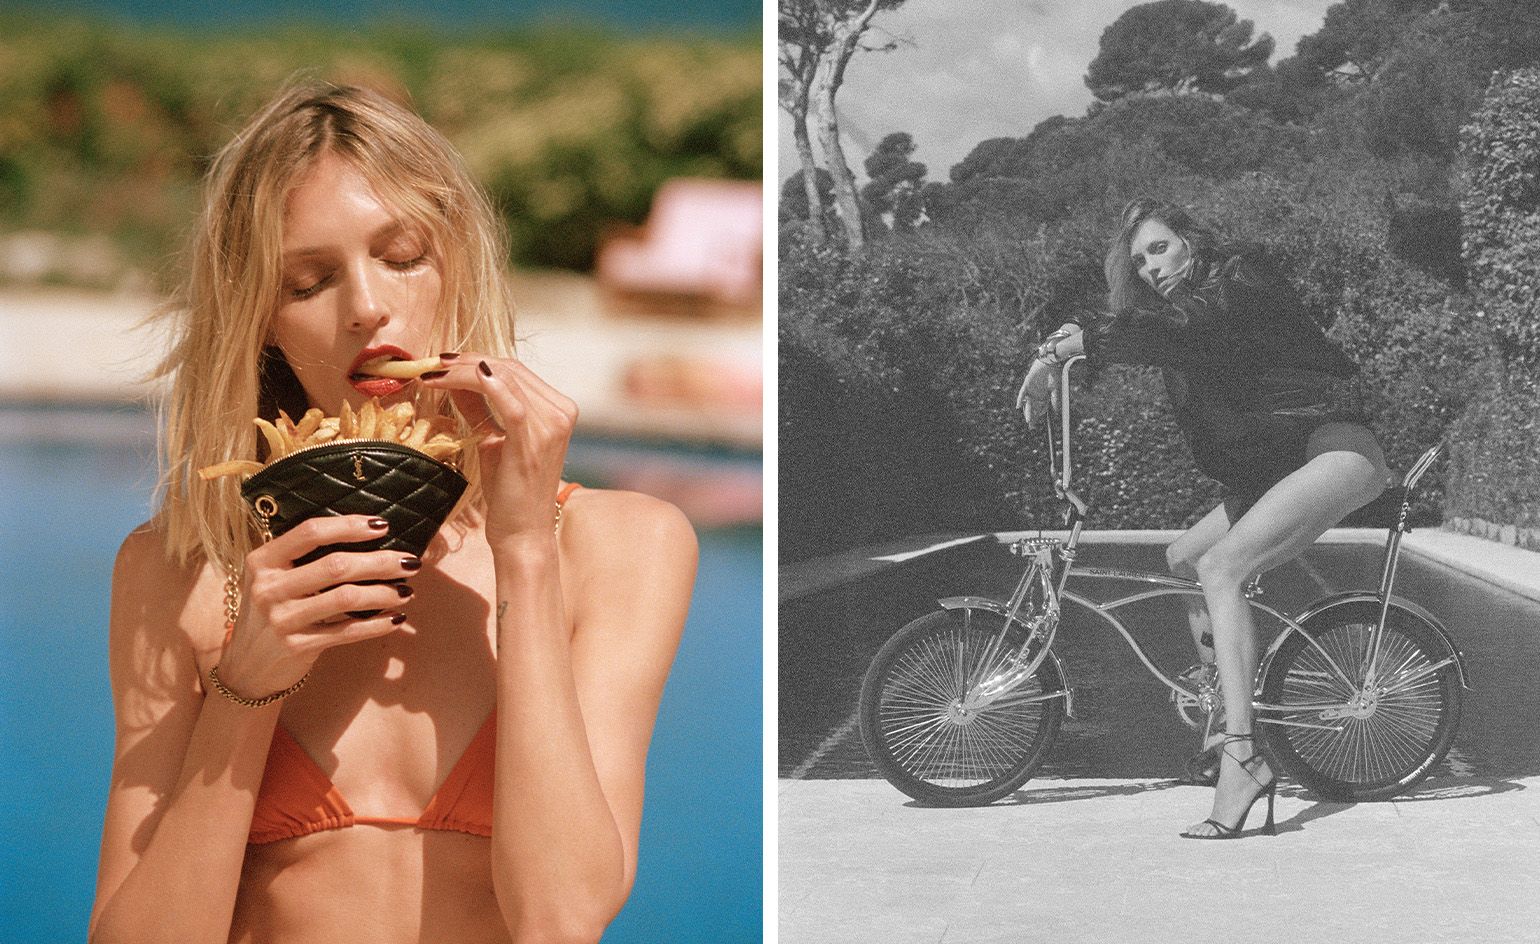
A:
<point x="626" y="545"/>
<point x="596" y="515"/>
<point x="160" y="601"/>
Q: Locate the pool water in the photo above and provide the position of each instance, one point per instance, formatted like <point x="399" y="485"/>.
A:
<point x="73" y="483"/>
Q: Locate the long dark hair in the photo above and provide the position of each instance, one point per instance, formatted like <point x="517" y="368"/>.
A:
<point x="1125" y="289"/>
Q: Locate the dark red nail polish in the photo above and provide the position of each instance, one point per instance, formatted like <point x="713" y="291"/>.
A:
<point x="485" y="368"/>
<point x="433" y="374"/>
<point x="378" y="524"/>
<point x="403" y="589"/>
<point x="398" y="619"/>
<point x="448" y="355"/>
<point x="411" y="563"/>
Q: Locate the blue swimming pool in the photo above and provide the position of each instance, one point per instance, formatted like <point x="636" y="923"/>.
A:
<point x="72" y="483"/>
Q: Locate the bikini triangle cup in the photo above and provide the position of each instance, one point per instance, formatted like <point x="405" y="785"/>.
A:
<point x="297" y="797"/>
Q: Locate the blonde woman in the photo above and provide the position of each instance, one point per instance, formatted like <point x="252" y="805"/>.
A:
<point x="467" y="764"/>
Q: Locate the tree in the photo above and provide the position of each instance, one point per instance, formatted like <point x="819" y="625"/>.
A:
<point x="897" y="184"/>
<point x="1357" y="37"/>
<point x="795" y="204"/>
<point x="817" y="40"/>
<point x="802" y="40"/>
<point x="1176" y="46"/>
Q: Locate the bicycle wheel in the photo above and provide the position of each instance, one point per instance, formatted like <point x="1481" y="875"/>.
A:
<point x="1375" y="744"/>
<point x="925" y="735"/>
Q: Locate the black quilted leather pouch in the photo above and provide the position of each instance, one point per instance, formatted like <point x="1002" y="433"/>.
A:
<point x="357" y="477"/>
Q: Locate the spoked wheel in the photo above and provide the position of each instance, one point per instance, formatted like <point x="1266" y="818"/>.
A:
<point x="1364" y="742"/>
<point x="929" y="723"/>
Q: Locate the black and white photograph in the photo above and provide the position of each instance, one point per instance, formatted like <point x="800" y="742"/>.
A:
<point x="1158" y="466"/>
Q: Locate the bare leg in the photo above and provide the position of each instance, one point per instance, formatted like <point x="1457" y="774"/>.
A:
<point x="1340" y="475"/>
<point x="1182" y="556"/>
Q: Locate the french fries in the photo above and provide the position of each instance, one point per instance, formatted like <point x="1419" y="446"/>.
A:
<point x="433" y="436"/>
<point x="383" y="366"/>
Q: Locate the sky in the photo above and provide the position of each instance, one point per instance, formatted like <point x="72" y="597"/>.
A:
<point x="956" y="80"/>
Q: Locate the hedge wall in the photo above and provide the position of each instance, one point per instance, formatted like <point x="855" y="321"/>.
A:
<point x="1495" y="477"/>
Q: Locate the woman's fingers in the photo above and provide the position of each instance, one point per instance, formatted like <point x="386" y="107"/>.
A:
<point x="353" y="630"/>
<point x="305" y="614"/>
<point x="336" y="568"/>
<point x="313" y="533"/>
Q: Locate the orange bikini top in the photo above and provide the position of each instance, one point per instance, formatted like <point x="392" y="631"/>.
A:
<point x="296" y="796"/>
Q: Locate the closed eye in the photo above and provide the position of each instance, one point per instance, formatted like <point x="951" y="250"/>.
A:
<point x="311" y="289"/>
<point x="407" y="265"/>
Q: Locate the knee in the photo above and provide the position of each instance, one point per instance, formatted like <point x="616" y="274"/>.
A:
<point x="1221" y="571"/>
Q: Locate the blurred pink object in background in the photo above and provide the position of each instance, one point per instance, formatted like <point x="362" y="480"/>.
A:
<point x="703" y="239"/>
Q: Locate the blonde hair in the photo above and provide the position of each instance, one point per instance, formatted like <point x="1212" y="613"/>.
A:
<point x="220" y="373"/>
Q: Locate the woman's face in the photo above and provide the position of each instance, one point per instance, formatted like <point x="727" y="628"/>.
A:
<point x="1160" y="256"/>
<point x="358" y="282"/>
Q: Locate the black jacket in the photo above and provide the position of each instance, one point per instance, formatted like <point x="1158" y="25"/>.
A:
<point x="1249" y="374"/>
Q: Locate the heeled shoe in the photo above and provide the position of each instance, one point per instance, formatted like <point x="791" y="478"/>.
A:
<point x="1269" y="790"/>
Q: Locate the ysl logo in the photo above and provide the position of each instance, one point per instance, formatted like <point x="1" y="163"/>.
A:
<point x="358" y="468"/>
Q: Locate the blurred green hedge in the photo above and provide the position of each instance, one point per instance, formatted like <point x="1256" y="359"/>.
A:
<point x="106" y="128"/>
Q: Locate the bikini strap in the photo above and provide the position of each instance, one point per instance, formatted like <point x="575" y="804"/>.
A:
<point x="566" y="492"/>
<point x="561" y="502"/>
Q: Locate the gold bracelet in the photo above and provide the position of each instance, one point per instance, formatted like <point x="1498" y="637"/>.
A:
<point x="222" y="689"/>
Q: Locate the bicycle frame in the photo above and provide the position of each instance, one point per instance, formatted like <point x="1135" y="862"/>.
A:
<point x="1053" y="564"/>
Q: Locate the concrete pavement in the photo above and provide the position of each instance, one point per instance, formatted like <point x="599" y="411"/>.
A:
<point x="1100" y="861"/>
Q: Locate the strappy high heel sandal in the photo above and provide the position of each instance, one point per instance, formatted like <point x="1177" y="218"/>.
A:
<point x="1269" y="790"/>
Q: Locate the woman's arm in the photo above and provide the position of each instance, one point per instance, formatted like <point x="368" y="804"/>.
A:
<point x="581" y="657"/>
<point x="576" y="707"/>
<point x="185" y="769"/>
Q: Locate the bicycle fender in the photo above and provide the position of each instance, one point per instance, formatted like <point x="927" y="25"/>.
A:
<point x="1346" y="597"/>
<point x="995" y="606"/>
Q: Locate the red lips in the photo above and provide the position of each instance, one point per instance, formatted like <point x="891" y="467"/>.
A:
<point x="370" y="353"/>
<point x="376" y="386"/>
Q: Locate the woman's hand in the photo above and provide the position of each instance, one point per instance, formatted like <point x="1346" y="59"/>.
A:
<point x="1040" y="388"/>
<point x="526" y="425"/>
<point x="1036" y="390"/>
<point x="290" y="615"/>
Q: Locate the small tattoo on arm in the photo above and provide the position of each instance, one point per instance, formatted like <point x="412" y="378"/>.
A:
<point x="502" y="607"/>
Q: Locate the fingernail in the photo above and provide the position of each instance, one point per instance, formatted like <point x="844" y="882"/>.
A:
<point x="398" y="619"/>
<point x="448" y="355"/>
<point x="378" y="524"/>
<point x="433" y="374"/>
<point x="485" y="368"/>
<point x="411" y="563"/>
<point x="403" y="589"/>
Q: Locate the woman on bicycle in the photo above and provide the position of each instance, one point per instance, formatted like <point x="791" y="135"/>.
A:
<point x="1269" y="407"/>
<point x="467" y="764"/>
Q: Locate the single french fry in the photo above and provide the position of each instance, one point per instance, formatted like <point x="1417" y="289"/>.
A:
<point x="368" y="419"/>
<point x="417" y="435"/>
<point x="347" y="422"/>
<point x="439" y="450"/>
<point x="308" y="424"/>
<point x="383" y="366"/>
<point x="242" y="467"/>
<point x="276" y="447"/>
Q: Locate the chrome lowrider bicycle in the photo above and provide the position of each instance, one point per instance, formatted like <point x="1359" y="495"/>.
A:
<point x="1357" y="698"/>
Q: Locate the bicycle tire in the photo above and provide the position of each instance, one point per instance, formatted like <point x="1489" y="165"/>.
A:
<point x="914" y="732"/>
<point x="1390" y="749"/>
